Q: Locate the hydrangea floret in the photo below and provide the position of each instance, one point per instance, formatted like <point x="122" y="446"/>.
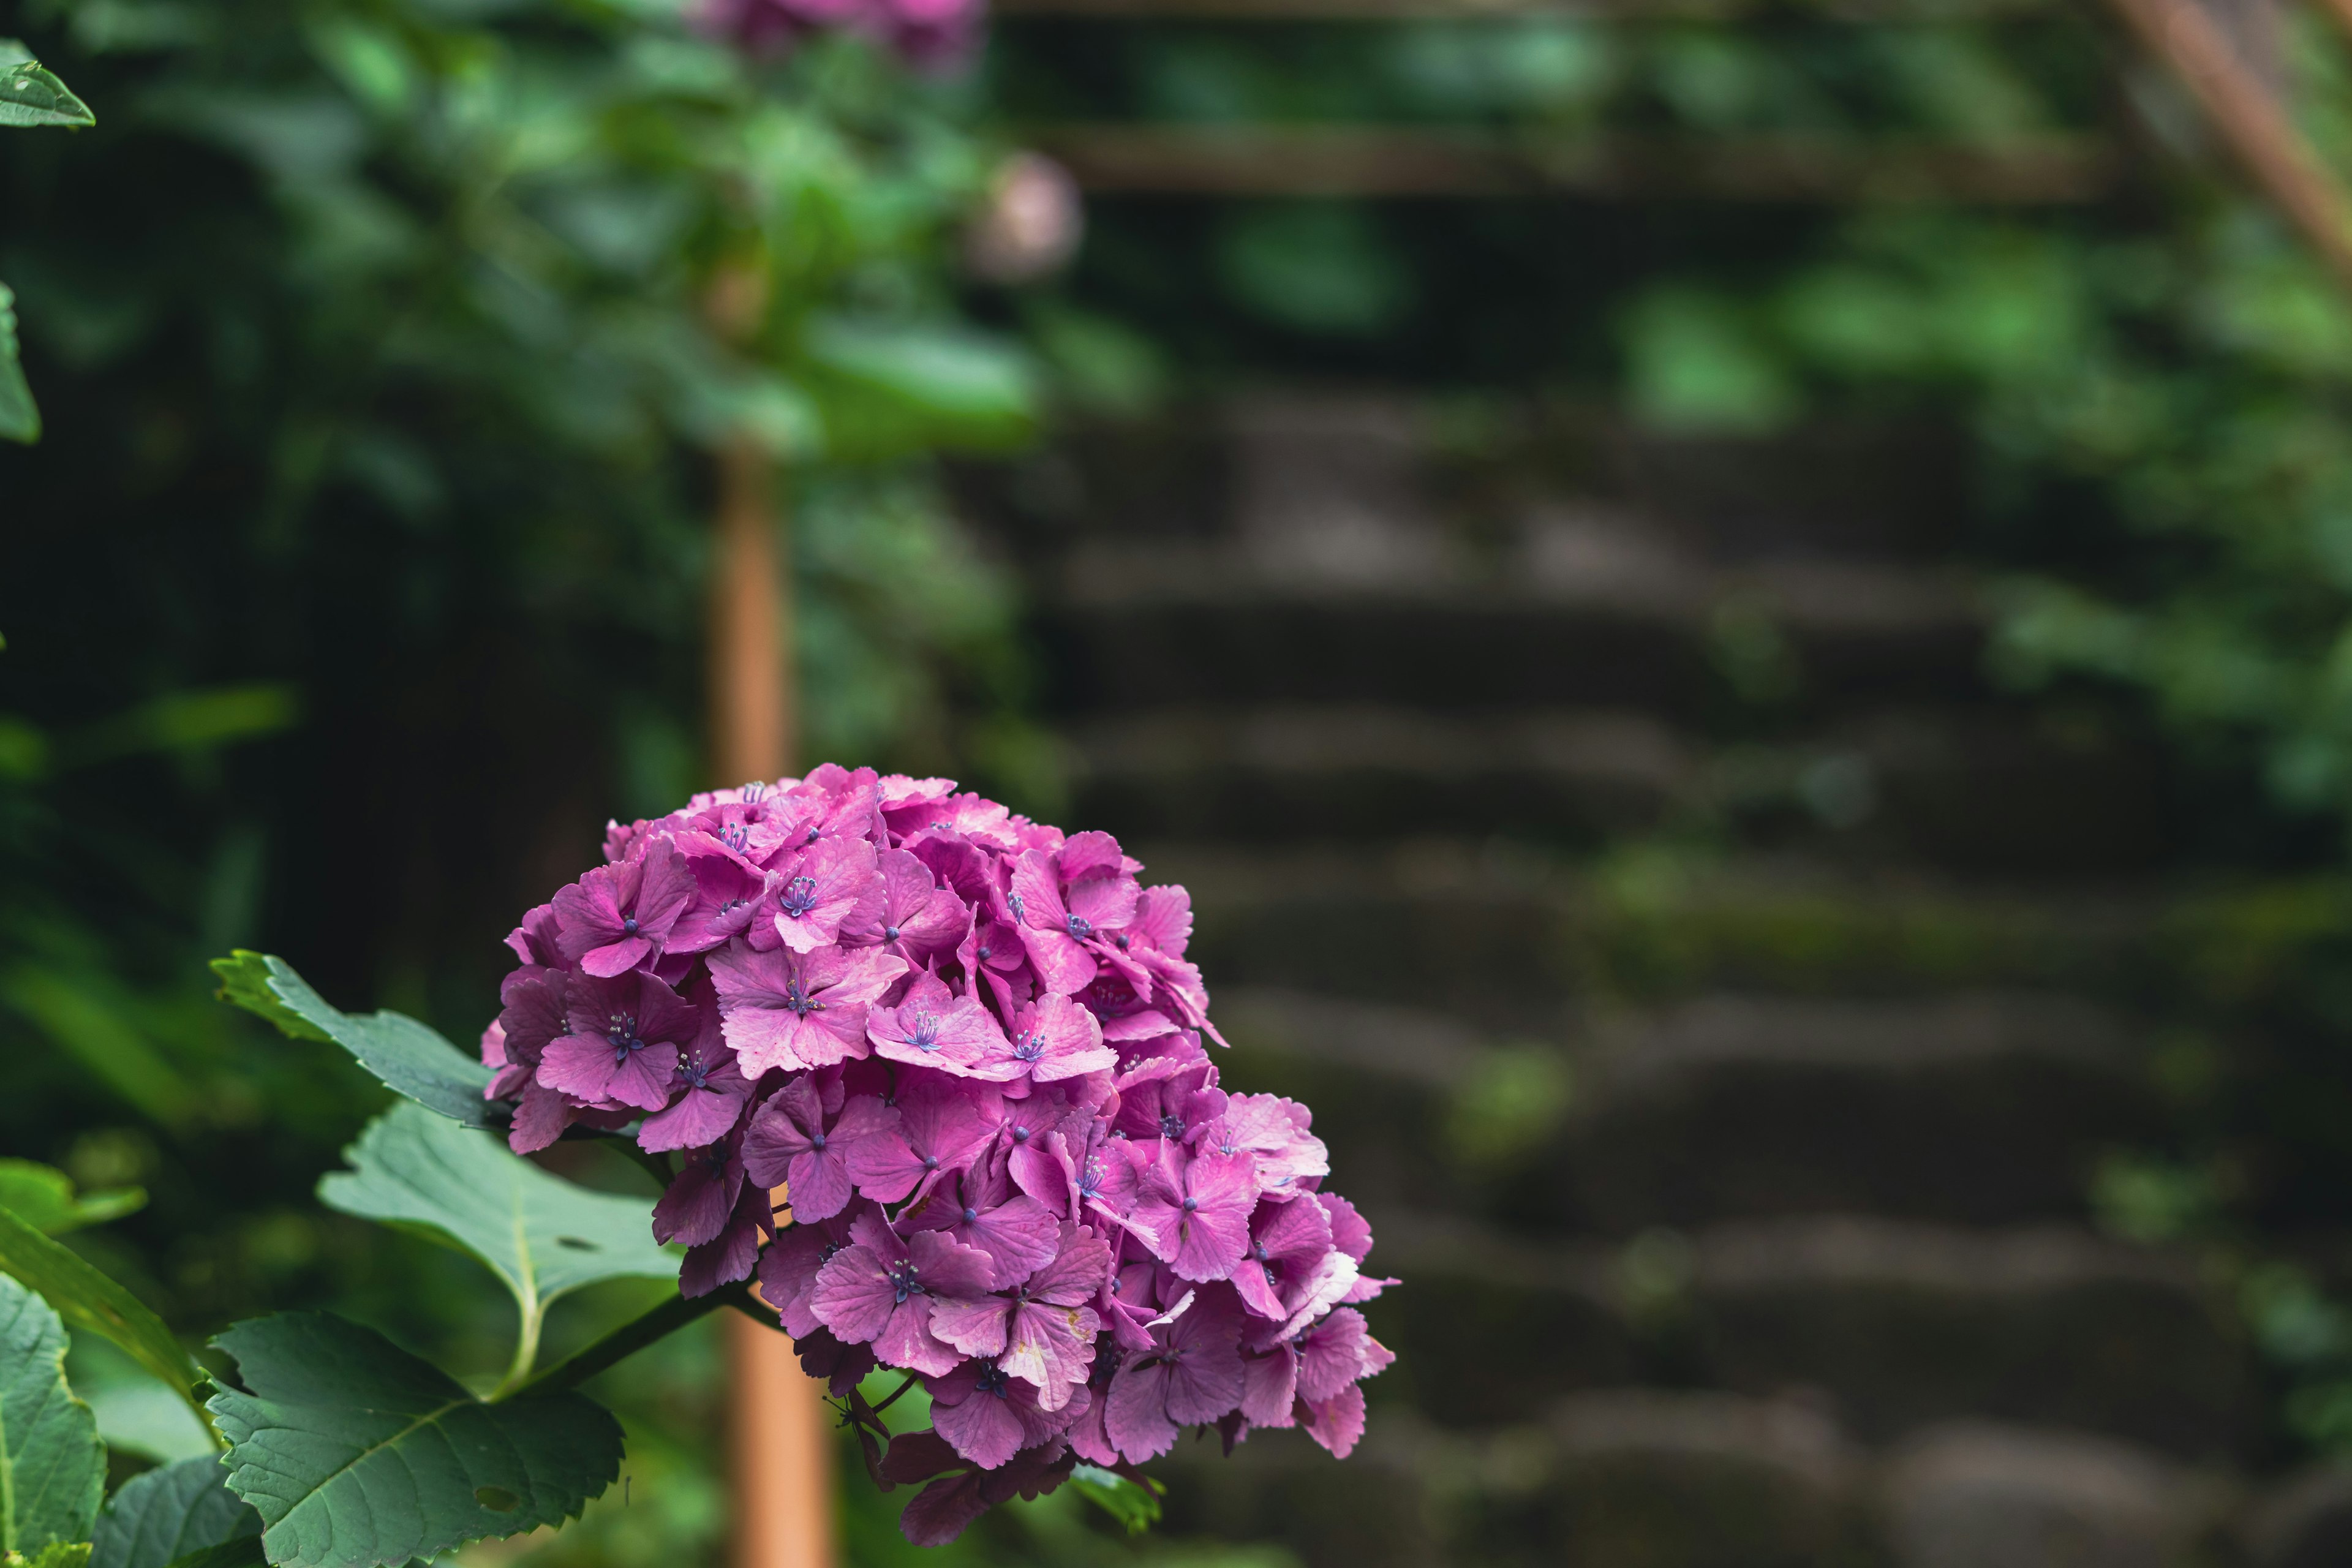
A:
<point x="941" y="1078"/>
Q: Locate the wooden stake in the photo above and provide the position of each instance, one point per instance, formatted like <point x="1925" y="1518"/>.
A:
<point x="2250" y="121"/>
<point x="779" y="1431"/>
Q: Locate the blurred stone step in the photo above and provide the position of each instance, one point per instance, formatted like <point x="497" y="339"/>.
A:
<point x="1345" y="469"/>
<point x="1501" y="934"/>
<point x="1572" y="624"/>
<point x="1379" y="1509"/>
<point x="1360" y="771"/>
<point x="1903" y="1325"/>
<point x="1977" y="1495"/>
<point x="2303" y="1520"/>
<point x="1979" y="1108"/>
<point x="1468" y="1293"/>
<point x="1676" y="1480"/>
<point x="1957" y="789"/>
<point x="1895" y="1326"/>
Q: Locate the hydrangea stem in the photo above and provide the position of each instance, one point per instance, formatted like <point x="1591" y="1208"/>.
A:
<point x="634" y="1336"/>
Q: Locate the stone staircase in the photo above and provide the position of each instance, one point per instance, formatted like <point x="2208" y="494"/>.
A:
<point x="1706" y="980"/>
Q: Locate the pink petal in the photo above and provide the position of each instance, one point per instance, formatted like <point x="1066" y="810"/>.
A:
<point x="982" y="1427"/>
<point x="854" y="1296"/>
<point x="701" y="1116"/>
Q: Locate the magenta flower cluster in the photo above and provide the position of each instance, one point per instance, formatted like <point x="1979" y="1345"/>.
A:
<point x="967" y="1051"/>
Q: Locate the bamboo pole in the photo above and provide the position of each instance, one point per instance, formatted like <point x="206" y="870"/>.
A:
<point x="2250" y="121"/>
<point x="779" y="1439"/>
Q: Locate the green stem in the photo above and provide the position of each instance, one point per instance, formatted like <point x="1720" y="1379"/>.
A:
<point x="632" y="1337"/>
<point x="526" y="1355"/>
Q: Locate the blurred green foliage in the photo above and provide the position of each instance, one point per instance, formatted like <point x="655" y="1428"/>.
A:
<point x="360" y="576"/>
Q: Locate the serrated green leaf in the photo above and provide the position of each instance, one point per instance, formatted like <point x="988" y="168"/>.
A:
<point x="32" y="96"/>
<point x="357" y="1454"/>
<point x="52" y="1466"/>
<point x="44" y="1198"/>
<point x="410" y="1059"/>
<point x="158" y="1517"/>
<point x="88" y="1299"/>
<point x="541" y="1236"/>
<point x="20" y="419"/>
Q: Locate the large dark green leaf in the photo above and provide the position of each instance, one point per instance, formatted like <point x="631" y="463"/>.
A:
<point x="538" y="1234"/>
<point x="160" y="1517"/>
<point x="356" y="1453"/>
<point x="52" y="1467"/>
<point x="88" y="1299"/>
<point x="44" y="1198"/>
<point x="32" y="96"/>
<point x="408" y="1056"/>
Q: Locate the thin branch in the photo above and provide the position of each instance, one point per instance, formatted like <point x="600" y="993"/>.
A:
<point x="912" y="1379"/>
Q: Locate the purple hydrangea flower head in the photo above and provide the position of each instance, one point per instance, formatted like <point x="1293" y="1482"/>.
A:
<point x="936" y="1130"/>
<point x="969" y="1058"/>
<point x="614" y="918"/>
<point x="1192" y="1376"/>
<point x="931" y="1028"/>
<point x="787" y="1009"/>
<point x="624" y="1044"/>
<point x="983" y="1210"/>
<point x="987" y="1415"/>
<point x="1192" y="1210"/>
<point x="881" y="1290"/>
<point x="709" y="1089"/>
<point x="1054" y="1038"/>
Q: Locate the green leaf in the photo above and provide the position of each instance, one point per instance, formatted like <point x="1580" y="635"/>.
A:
<point x="55" y="1555"/>
<point x="20" y="419"/>
<point x="409" y="1057"/>
<point x="889" y="387"/>
<point x="538" y="1234"/>
<point x="88" y="1300"/>
<point x="1135" y="1504"/>
<point x="356" y="1453"/>
<point x="243" y="1552"/>
<point x="166" y="1514"/>
<point x="185" y="721"/>
<point x="136" y="1415"/>
<point x="52" y="1466"/>
<point x="43" y="1196"/>
<point x="82" y="1014"/>
<point x="31" y="96"/>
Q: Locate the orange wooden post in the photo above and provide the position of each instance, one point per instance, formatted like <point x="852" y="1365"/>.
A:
<point x="779" y="1430"/>
<point x="2250" y="121"/>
